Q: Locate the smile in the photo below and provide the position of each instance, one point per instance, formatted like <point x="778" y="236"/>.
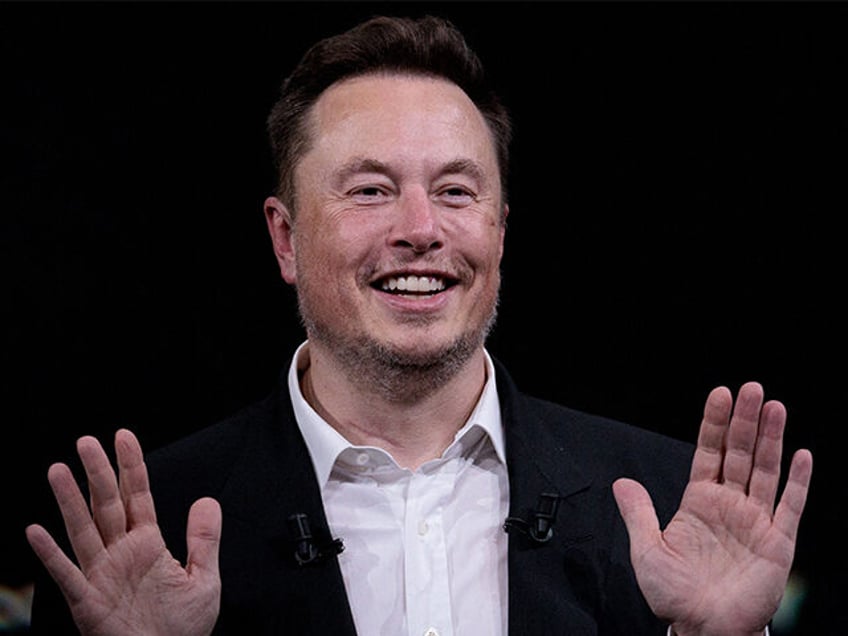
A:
<point x="413" y="284"/>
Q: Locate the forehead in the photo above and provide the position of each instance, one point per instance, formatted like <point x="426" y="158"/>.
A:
<point x="395" y="111"/>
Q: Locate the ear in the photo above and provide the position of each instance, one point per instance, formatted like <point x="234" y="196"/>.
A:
<point x="280" y="228"/>
<point x="503" y="230"/>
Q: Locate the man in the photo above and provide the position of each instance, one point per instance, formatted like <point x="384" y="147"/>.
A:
<point x="398" y="482"/>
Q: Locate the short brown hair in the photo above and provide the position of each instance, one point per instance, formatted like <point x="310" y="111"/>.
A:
<point x="428" y="46"/>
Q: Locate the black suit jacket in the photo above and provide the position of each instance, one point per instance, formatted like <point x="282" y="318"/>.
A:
<point x="257" y="465"/>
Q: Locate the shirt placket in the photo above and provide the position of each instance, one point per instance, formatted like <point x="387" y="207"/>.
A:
<point x="426" y="559"/>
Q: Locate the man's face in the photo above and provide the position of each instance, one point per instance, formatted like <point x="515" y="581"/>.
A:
<point x="398" y="232"/>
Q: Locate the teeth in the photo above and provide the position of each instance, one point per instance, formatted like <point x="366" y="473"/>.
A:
<point x="421" y="284"/>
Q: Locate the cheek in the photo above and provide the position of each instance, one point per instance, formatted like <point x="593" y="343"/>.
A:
<point x="333" y="253"/>
<point x="484" y="246"/>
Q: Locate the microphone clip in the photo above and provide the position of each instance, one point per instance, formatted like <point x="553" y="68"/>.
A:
<point x="540" y="528"/>
<point x="306" y="550"/>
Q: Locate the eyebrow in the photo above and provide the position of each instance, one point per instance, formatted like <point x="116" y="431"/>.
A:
<point x="465" y="166"/>
<point x="360" y="165"/>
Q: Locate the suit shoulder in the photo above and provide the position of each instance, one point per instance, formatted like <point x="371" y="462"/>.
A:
<point x="628" y="449"/>
<point x="582" y="424"/>
<point x="199" y="463"/>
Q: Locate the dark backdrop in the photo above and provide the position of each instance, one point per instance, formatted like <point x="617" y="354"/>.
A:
<point x="677" y="200"/>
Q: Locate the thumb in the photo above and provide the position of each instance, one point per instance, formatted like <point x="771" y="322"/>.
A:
<point x="637" y="511"/>
<point x="203" y="537"/>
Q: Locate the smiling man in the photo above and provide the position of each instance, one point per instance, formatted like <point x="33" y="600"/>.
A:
<point x="398" y="482"/>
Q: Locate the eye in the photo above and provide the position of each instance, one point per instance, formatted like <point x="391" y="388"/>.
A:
<point x="369" y="194"/>
<point x="457" y="196"/>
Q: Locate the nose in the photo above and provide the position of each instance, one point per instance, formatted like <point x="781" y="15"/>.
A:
<point x="417" y="223"/>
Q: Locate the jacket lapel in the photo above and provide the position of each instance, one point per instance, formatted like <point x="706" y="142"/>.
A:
<point x="277" y="472"/>
<point x="542" y="595"/>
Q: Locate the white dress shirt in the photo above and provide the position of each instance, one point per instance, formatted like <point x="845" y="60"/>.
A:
<point x="425" y="551"/>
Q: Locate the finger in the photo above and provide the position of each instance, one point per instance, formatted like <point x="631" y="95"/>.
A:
<point x="203" y="538"/>
<point x="637" y="511"/>
<point x="134" y="483"/>
<point x="107" y="507"/>
<point x="706" y="464"/>
<point x="67" y="575"/>
<point x="742" y="437"/>
<point x="83" y="534"/>
<point x="765" y="474"/>
<point x="787" y="516"/>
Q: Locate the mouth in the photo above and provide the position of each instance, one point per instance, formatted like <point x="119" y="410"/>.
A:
<point x="414" y="284"/>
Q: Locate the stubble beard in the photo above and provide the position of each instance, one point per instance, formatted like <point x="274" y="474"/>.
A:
<point x="391" y="373"/>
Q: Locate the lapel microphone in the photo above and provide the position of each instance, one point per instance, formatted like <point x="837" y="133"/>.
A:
<point x="540" y="527"/>
<point x="306" y="549"/>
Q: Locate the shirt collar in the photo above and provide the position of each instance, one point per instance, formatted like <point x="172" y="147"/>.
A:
<point x="325" y="443"/>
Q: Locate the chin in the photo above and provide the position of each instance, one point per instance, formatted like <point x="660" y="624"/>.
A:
<point x="421" y="342"/>
<point x="429" y="349"/>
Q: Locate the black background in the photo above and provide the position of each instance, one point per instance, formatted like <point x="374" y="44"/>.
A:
<point x="677" y="197"/>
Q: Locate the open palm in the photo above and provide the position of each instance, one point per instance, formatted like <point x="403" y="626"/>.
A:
<point x="721" y="564"/>
<point x="127" y="582"/>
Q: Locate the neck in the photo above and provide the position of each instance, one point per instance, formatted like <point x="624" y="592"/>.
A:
<point x="414" y="426"/>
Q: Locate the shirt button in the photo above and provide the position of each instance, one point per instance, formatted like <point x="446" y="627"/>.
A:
<point x="422" y="530"/>
<point x="431" y="631"/>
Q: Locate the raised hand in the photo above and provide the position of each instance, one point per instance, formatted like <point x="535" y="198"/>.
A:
<point x="127" y="582"/>
<point x="721" y="565"/>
